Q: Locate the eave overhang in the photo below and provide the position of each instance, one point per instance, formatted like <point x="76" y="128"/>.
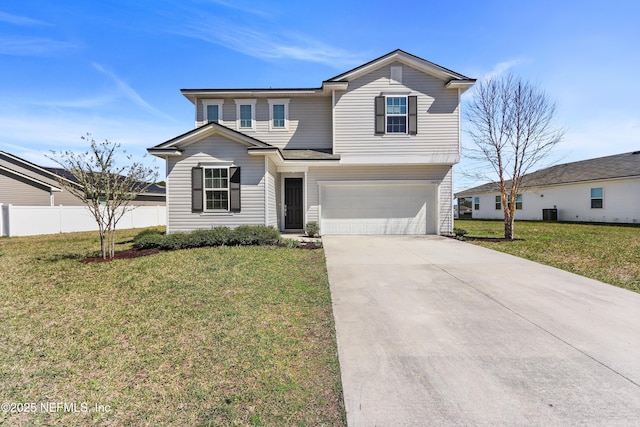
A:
<point x="463" y="85"/>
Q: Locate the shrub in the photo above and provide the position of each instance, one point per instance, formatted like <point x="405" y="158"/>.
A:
<point x="245" y="235"/>
<point x="148" y="232"/>
<point x="149" y="241"/>
<point x="459" y="233"/>
<point x="254" y="235"/>
<point x="312" y="229"/>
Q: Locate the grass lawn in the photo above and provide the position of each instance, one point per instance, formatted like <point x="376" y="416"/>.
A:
<point x="211" y="336"/>
<point x="609" y="253"/>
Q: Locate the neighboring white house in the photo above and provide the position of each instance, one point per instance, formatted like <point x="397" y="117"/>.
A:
<point x="606" y="189"/>
<point x="371" y="151"/>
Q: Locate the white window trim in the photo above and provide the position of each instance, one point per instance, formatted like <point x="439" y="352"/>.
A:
<point x="252" y="103"/>
<point x="206" y="103"/>
<point x="205" y="189"/>
<point x="405" y="115"/>
<point x="596" y="198"/>
<point x="284" y="102"/>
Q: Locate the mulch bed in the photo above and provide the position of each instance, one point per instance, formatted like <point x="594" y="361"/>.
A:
<point x="129" y="253"/>
<point x="136" y="253"/>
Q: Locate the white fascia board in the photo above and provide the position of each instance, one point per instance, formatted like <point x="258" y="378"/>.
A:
<point x="463" y="85"/>
<point x="399" y="159"/>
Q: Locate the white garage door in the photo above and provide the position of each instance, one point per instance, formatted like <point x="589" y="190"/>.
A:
<point x="377" y="208"/>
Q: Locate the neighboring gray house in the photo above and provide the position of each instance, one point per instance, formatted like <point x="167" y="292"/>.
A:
<point x="23" y="183"/>
<point x="605" y="189"/>
<point x="369" y="152"/>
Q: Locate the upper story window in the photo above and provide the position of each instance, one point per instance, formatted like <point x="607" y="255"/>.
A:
<point x="212" y="110"/>
<point x="597" y="198"/>
<point x="278" y="114"/>
<point x="396" y="114"/>
<point x="246" y="114"/>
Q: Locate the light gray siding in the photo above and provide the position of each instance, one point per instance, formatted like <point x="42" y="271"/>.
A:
<point x="16" y="192"/>
<point x="272" y="194"/>
<point x="439" y="174"/>
<point x="309" y="124"/>
<point x="437" y="115"/>
<point x="207" y="151"/>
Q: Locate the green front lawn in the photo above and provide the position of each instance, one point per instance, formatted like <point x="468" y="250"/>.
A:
<point x="211" y="336"/>
<point x="609" y="253"/>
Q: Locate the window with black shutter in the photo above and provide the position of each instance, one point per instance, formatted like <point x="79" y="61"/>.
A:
<point x="396" y="115"/>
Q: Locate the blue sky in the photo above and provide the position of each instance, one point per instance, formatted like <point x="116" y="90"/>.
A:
<point x="114" y="68"/>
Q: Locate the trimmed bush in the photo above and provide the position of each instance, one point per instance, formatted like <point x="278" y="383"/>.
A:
<point x="258" y="235"/>
<point x="312" y="229"/>
<point x="246" y="235"/>
<point x="148" y="232"/>
<point x="149" y="241"/>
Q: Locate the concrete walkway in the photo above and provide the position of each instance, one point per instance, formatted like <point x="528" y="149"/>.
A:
<point x="432" y="331"/>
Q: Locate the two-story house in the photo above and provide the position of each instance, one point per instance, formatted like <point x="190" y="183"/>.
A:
<point x="371" y="151"/>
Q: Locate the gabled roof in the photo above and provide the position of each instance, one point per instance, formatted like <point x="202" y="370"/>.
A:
<point x="624" y="165"/>
<point x="152" y="190"/>
<point x="32" y="168"/>
<point x="406" y="58"/>
<point x="340" y="82"/>
<point x="173" y="147"/>
<point x="34" y="181"/>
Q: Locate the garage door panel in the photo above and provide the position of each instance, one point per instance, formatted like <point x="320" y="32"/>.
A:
<point x="378" y="209"/>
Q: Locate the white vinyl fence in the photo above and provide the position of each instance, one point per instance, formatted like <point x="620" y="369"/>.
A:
<point x="33" y="220"/>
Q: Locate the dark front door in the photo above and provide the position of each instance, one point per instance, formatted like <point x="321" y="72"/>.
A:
<point x="293" y="203"/>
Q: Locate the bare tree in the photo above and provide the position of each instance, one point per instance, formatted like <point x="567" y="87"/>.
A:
<point x="102" y="185"/>
<point x="511" y="126"/>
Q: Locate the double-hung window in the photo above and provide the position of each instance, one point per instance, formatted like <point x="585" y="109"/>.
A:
<point x="476" y="203"/>
<point x="216" y="189"/>
<point x="246" y="114"/>
<point x="212" y="110"/>
<point x="278" y="114"/>
<point x="597" y="198"/>
<point x="396" y="115"/>
<point x="518" y="201"/>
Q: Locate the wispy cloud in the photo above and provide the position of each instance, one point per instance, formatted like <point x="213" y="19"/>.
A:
<point x="270" y="45"/>
<point x="19" y="20"/>
<point x="93" y="102"/>
<point x="241" y="8"/>
<point x="503" y="67"/>
<point x="130" y="93"/>
<point x="35" y="46"/>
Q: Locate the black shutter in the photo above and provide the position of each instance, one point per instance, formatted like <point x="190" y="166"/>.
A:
<point x="234" y="189"/>
<point x="380" y="113"/>
<point x="413" y="115"/>
<point x="196" y="189"/>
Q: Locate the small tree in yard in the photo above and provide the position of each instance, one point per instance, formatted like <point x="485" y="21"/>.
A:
<point x="511" y="125"/>
<point x="103" y="186"/>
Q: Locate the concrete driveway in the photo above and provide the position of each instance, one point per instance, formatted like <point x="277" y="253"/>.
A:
<point x="432" y="331"/>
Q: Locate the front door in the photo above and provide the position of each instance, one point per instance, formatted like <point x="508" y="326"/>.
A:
<point x="293" y="203"/>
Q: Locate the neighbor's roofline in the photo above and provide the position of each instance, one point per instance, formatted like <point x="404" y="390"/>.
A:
<point x="30" y="178"/>
<point x="53" y="176"/>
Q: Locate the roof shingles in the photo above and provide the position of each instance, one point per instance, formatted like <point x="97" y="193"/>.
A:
<point x="610" y="167"/>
